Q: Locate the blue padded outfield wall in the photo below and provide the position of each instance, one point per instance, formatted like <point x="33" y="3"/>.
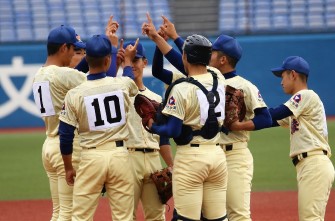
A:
<point x="19" y="62"/>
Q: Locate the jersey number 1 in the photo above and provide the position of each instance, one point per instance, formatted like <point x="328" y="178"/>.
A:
<point x="42" y="109"/>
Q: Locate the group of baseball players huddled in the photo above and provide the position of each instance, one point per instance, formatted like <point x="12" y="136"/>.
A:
<point x="96" y="140"/>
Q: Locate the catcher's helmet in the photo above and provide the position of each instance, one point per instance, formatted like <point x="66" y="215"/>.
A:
<point x="198" y="49"/>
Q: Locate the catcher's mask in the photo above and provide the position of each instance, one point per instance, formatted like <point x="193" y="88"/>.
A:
<point x="198" y="49"/>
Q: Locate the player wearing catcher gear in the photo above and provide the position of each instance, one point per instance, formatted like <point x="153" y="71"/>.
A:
<point x="51" y="83"/>
<point x="144" y="148"/>
<point x="99" y="109"/>
<point x="225" y="56"/>
<point x="199" y="174"/>
<point x="304" y="114"/>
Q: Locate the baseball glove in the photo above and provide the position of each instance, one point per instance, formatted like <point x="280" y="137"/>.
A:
<point x="146" y="109"/>
<point x="235" y="109"/>
<point x="163" y="182"/>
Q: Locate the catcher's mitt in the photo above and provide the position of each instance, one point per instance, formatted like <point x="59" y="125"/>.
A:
<point x="163" y="182"/>
<point x="146" y="109"/>
<point x="235" y="109"/>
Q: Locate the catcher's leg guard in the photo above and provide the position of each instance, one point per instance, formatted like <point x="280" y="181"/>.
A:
<point x="224" y="218"/>
<point x="177" y="217"/>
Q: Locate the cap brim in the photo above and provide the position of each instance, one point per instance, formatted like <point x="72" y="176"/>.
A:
<point x="215" y="48"/>
<point x="277" y="71"/>
<point x="80" y="44"/>
<point x="139" y="56"/>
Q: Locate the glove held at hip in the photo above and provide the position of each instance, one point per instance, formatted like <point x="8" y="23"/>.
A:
<point x="163" y="182"/>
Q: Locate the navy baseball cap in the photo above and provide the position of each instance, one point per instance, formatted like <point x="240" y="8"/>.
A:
<point x="228" y="45"/>
<point x="80" y="44"/>
<point x="98" y="46"/>
<point x="295" y="63"/>
<point x="140" y="52"/>
<point x="63" y="35"/>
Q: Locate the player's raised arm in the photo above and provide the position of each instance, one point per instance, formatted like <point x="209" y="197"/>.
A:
<point x="110" y="31"/>
<point x="149" y="29"/>
<point x="168" y="29"/>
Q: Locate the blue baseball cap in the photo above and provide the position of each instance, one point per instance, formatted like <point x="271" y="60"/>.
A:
<point x="80" y="44"/>
<point x="228" y="45"/>
<point x="295" y="63"/>
<point x="63" y="35"/>
<point x="98" y="46"/>
<point x="140" y="52"/>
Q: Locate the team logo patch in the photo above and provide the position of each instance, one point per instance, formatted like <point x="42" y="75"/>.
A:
<point x="63" y="112"/>
<point x="172" y="101"/>
<point x="260" y="98"/>
<point x="297" y="98"/>
<point x="171" y="104"/>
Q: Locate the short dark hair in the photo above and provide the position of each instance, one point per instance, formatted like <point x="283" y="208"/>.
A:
<point x="303" y="77"/>
<point x="95" y="62"/>
<point x="53" y="48"/>
<point x="232" y="61"/>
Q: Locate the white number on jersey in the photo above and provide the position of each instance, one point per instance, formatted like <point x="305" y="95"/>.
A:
<point x="204" y="105"/>
<point x="105" y="110"/>
<point x="42" y="97"/>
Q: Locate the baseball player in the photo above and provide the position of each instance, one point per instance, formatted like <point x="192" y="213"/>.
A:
<point x="144" y="148"/>
<point x="99" y="109"/>
<point x="50" y="85"/>
<point x="199" y="173"/>
<point x="225" y="56"/>
<point x="304" y="114"/>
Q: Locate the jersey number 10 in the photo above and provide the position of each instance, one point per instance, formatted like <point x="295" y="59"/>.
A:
<point x="105" y="110"/>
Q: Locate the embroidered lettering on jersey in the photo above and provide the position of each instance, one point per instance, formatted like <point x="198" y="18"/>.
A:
<point x="294" y="126"/>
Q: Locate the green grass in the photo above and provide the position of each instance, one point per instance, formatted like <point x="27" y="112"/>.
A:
<point x="22" y="174"/>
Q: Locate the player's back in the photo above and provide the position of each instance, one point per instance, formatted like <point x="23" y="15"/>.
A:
<point x="51" y="83"/>
<point x="195" y="104"/>
<point x="101" y="107"/>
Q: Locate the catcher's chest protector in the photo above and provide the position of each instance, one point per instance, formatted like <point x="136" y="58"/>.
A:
<point x="211" y="126"/>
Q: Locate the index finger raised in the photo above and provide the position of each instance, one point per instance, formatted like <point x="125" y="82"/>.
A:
<point x="136" y="43"/>
<point x="149" y="18"/>
<point x="165" y="19"/>
<point x="121" y="43"/>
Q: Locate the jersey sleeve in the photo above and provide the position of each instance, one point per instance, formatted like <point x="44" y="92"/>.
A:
<point x="70" y="78"/>
<point x="284" y="122"/>
<point x="300" y="102"/>
<point x="67" y="114"/>
<point x="175" y="105"/>
<point x="254" y="99"/>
